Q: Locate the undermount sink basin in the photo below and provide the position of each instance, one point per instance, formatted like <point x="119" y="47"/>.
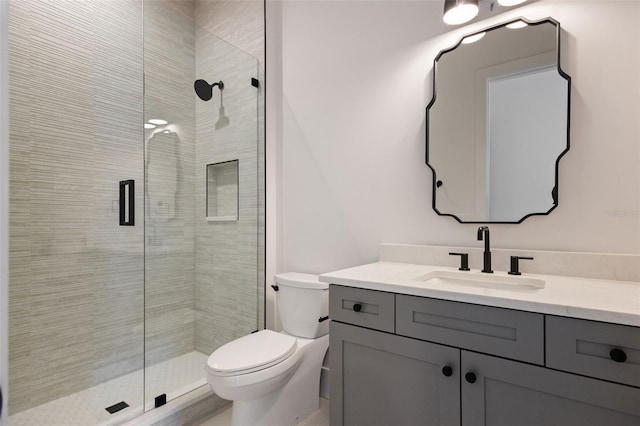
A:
<point x="481" y="279"/>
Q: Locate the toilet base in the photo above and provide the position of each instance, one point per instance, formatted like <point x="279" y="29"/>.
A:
<point x="295" y="401"/>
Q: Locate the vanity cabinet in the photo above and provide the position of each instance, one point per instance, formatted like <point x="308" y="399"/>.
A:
<point x="383" y="379"/>
<point x="435" y="362"/>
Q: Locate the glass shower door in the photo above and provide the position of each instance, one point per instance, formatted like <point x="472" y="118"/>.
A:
<point x="201" y="200"/>
<point x="75" y="262"/>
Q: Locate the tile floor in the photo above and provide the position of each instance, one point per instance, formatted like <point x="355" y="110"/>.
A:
<point x="319" y="418"/>
<point x="173" y="377"/>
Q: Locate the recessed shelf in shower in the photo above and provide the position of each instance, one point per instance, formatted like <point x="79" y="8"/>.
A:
<point x="222" y="191"/>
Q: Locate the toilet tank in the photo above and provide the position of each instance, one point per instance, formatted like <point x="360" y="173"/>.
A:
<point x="302" y="302"/>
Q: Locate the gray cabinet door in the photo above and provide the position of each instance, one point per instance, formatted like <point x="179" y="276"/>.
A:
<point x="512" y="393"/>
<point x="383" y="379"/>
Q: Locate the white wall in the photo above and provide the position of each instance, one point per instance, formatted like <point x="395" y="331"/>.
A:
<point x="355" y="83"/>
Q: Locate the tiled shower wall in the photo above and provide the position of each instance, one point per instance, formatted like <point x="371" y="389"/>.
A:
<point x="76" y="276"/>
<point x="203" y="279"/>
<point x="241" y="23"/>
<point x="226" y="252"/>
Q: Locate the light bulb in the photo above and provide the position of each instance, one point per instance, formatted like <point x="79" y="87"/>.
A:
<point x="458" y="12"/>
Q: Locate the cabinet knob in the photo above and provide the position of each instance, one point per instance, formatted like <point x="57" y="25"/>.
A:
<point x="447" y="371"/>
<point x="357" y="307"/>
<point x="470" y="377"/>
<point x="618" y="355"/>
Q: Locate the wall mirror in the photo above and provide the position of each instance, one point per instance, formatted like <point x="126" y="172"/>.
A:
<point x="498" y="123"/>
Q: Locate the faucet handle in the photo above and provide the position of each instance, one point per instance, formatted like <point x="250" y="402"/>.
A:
<point x="515" y="266"/>
<point x="464" y="261"/>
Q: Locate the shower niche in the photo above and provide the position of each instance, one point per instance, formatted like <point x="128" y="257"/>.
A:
<point x="222" y="191"/>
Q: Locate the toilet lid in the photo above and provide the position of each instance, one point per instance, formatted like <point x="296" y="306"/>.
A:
<point x="300" y="280"/>
<point x="253" y="352"/>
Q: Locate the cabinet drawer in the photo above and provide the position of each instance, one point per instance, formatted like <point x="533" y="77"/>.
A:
<point x="376" y="308"/>
<point x="503" y="332"/>
<point x="588" y="348"/>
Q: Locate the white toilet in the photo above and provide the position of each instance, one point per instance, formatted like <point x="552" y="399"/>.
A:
<point x="273" y="378"/>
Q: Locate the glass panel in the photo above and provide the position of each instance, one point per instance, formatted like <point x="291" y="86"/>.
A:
<point x="201" y="276"/>
<point x="227" y="253"/>
<point x="169" y="66"/>
<point x="76" y="275"/>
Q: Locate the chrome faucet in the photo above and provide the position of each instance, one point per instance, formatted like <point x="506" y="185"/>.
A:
<point x="483" y="233"/>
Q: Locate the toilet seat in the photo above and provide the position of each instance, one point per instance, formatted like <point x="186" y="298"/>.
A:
<point x="254" y="352"/>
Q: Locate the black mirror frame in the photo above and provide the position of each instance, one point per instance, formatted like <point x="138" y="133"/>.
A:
<point x="436" y="183"/>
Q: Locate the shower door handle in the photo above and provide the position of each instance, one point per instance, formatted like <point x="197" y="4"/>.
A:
<point x="127" y="203"/>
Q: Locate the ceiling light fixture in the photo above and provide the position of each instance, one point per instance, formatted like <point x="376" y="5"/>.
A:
<point x="149" y="126"/>
<point x="458" y="12"/>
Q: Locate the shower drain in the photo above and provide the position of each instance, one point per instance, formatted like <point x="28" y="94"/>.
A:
<point x="117" y="407"/>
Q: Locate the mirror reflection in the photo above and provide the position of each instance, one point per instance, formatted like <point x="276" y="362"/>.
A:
<point x="498" y="124"/>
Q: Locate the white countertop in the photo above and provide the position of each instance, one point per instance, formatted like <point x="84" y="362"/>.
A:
<point x="594" y="299"/>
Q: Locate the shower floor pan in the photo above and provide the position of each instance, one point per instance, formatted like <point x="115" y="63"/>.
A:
<point x="174" y="377"/>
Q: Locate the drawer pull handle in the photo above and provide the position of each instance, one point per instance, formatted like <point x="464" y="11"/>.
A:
<point x="447" y="371"/>
<point x="470" y="377"/>
<point x="357" y="307"/>
<point x="618" y="355"/>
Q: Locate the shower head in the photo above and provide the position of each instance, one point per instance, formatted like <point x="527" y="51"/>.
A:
<point x="204" y="90"/>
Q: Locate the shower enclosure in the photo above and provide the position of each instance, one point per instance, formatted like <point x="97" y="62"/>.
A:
<point x="135" y="232"/>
